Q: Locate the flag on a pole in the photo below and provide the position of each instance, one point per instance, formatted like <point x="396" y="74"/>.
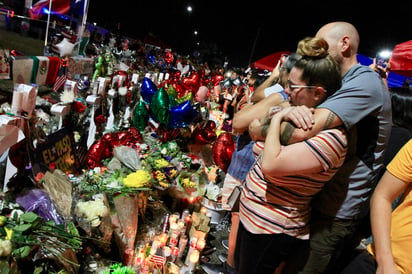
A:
<point x="41" y="7"/>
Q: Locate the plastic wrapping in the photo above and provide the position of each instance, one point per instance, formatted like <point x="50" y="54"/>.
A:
<point x="37" y="201"/>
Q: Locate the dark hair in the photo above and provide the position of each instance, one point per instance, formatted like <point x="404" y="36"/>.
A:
<point x="290" y="62"/>
<point x="318" y="67"/>
<point x="401" y="107"/>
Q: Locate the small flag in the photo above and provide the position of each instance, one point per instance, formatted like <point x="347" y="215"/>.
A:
<point x="63" y="75"/>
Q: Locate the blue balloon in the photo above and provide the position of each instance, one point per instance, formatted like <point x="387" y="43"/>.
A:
<point x="152" y="58"/>
<point x="147" y="90"/>
<point x="182" y="115"/>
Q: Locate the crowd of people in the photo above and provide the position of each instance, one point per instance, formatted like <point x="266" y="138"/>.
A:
<point x="322" y="159"/>
<point x="322" y="162"/>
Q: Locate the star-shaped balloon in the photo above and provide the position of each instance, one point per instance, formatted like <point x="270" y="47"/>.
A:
<point x="65" y="48"/>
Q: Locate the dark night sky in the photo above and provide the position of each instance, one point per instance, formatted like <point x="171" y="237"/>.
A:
<point x="234" y="27"/>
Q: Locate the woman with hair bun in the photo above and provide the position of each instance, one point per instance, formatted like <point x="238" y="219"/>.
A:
<point x="275" y="201"/>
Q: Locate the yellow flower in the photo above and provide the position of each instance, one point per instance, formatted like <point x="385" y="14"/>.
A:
<point x="139" y="178"/>
<point x="161" y="163"/>
<point x="9" y="233"/>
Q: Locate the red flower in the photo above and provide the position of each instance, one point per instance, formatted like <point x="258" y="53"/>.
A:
<point x="100" y="119"/>
<point x="39" y="176"/>
<point x="78" y="107"/>
<point x="52" y="166"/>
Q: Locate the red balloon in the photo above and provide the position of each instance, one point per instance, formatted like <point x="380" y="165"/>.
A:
<point x="204" y="133"/>
<point x="179" y="89"/>
<point x="222" y="150"/>
<point x="216" y="79"/>
<point x="103" y="148"/>
<point x="168" y="57"/>
<point x="192" y="82"/>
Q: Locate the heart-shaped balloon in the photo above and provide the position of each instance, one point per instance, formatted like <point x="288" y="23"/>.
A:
<point x="147" y="90"/>
<point x="217" y="78"/>
<point x="204" y="133"/>
<point x="160" y="106"/>
<point x="192" y="82"/>
<point x="222" y="150"/>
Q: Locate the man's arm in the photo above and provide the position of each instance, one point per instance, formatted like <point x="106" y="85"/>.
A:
<point x="309" y="124"/>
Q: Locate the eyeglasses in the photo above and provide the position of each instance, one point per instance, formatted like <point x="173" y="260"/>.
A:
<point x="292" y="87"/>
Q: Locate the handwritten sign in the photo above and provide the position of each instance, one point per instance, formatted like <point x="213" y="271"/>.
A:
<point x="58" y="151"/>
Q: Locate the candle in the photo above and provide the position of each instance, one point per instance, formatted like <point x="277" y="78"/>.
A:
<point x="192" y="247"/>
<point x="194" y="258"/>
<point x="182" y="246"/>
<point x="163" y="238"/>
<point x="174" y="253"/>
<point x="201" y="243"/>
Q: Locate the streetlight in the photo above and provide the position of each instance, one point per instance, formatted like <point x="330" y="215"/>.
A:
<point x="189" y="9"/>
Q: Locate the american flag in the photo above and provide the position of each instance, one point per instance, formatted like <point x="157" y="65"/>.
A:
<point x="158" y="261"/>
<point x="62" y="75"/>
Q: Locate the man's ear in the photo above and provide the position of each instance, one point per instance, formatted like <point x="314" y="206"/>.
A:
<point x="320" y="93"/>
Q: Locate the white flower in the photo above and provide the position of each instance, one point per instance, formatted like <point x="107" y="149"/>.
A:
<point x="92" y="211"/>
<point x="5" y="248"/>
<point x="67" y="97"/>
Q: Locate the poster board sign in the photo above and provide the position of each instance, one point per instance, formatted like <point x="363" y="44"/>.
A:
<point x="59" y="151"/>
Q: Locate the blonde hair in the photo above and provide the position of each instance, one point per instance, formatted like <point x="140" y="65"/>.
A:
<point x="313" y="47"/>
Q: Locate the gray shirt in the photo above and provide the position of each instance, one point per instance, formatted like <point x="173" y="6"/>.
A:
<point x="363" y="104"/>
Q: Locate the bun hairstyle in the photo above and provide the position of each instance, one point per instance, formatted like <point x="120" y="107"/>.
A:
<point x="318" y="67"/>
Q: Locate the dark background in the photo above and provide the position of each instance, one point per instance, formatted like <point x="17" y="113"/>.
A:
<point x="248" y="31"/>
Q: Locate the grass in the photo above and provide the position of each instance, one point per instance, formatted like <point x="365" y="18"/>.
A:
<point x="27" y="45"/>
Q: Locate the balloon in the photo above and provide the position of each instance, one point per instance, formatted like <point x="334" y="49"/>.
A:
<point x="216" y="79"/>
<point x="140" y="116"/>
<point x="168" y="57"/>
<point x="227" y="83"/>
<point x="160" y="106"/>
<point x="83" y="84"/>
<point x="65" y="48"/>
<point x="204" y="133"/>
<point x="187" y="96"/>
<point x="237" y="81"/>
<point x="179" y="89"/>
<point x="192" y="82"/>
<point x="152" y="58"/>
<point x="172" y="91"/>
<point x="222" y="150"/>
<point x="147" y="90"/>
<point x="103" y="148"/>
<point x="181" y="115"/>
<point x="217" y="90"/>
<point x="201" y="94"/>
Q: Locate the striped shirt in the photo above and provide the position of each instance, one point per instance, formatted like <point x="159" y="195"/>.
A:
<point x="281" y="204"/>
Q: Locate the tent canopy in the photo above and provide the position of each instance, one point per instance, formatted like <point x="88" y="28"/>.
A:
<point x="268" y="62"/>
<point x="401" y="59"/>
